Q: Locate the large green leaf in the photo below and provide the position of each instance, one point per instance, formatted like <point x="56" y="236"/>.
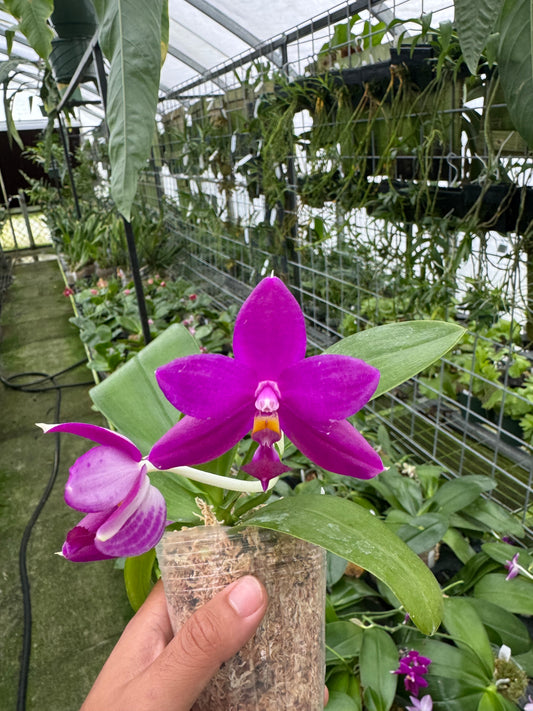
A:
<point x="378" y="661"/>
<point x="502" y="626"/>
<point x="131" y="399"/>
<point x="32" y="16"/>
<point x="467" y="631"/>
<point x="348" y="530"/>
<point x="400" y="350"/>
<point x="130" y="37"/>
<point x="515" y="59"/>
<point x="514" y="595"/>
<point x="475" y="21"/>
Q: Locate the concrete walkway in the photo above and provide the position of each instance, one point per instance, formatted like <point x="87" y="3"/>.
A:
<point x="78" y="610"/>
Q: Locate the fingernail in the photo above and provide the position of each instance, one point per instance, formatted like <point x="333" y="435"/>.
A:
<point x="246" y="596"/>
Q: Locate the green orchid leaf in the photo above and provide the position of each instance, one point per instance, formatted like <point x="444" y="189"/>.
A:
<point x="421" y="533"/>
<point x="456" y="494"/>
<point x="400" y="350"/>
<point x="514" y="595"/>
<point x="460" y="673"/>
<point x="503" y="552"/>
<point x="180" y="496"/>
<point x="475" y="21"/>
<point x="348" y="530"/>
<point x="492" y="700"/>
<point x="130" y="37"/>
<point x="138" y="577"/>
<point x="502" y="626"/>
<point x="131" y="399"/>
<point x="339" y="701"/>
<point x="515" y="57"/>
<point x="343" y="640"/>
<point x="32" y="17"/>
<point x="379" y="658"/>
<point x="467" y="631"/>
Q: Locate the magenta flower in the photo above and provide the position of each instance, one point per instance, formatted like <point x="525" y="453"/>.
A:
<point x="126" y="515"/>
<point x="414" y="666"/>
<point x="513" y="567"/>
<point x="269" y="387"/>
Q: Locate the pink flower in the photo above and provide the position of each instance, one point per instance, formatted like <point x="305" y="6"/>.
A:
<point x="163" y="283"/>
<point x="94" y="292"/>
<point x="192" y="297"/>
<point x="127" y="291"/>
<point x="68" y="291"/>
<point x="150" y="281"/>
<point x="513" y="567"/>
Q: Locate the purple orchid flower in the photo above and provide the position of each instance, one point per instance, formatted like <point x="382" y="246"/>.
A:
<point x="414" y="666"/>
<point x="269" y="387"/>
<point x="513" y="567"/>
<point x="126" y="515"/>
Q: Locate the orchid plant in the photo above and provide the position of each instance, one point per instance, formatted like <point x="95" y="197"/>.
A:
<point x="204" y="432"/>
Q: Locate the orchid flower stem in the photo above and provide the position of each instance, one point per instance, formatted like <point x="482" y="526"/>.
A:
<point x="223" y="482"/>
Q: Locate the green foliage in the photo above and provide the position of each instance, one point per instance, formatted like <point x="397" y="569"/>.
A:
<point x="32" y="16"/>
<point x="515" y="63"/>
<point x="130" y="36"/>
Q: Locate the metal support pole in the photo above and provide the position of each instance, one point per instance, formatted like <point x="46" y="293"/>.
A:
<point x="24" y="210"/>
<point x="66" y="151"/>
<point x="134" y="263"/>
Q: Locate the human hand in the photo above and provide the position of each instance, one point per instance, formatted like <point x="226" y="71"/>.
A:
<point x="151" y="670"/>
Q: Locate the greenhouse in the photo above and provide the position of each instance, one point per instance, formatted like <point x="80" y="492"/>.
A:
<point x="272" y="266"/>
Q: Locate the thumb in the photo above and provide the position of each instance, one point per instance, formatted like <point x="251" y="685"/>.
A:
<point x="209" y="637"/>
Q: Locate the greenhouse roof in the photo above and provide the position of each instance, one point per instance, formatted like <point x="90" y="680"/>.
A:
<point x="204" y="34"/>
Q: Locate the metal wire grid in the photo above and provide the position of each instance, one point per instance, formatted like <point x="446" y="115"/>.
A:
<point x="338" y="281"/>
<point x="422" y="417"/>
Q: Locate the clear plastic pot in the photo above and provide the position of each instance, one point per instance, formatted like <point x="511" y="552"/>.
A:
<point x="282" y="667"/>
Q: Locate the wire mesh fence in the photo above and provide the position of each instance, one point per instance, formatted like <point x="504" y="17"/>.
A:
<point x="355" y="157"/>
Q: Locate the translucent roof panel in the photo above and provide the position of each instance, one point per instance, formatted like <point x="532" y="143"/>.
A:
<point x="204" y="34"/>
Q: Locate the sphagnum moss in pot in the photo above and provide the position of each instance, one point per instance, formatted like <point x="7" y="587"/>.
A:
<point x="269" y="390"/>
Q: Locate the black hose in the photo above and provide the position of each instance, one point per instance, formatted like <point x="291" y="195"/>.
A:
<point x="36" y="386"/>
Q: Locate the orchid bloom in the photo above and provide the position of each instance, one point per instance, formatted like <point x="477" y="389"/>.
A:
<point x="126" y="515"/>
<point x="513" y="567"/>
<point x="414" y="666"/>
<point x="423" y="704"/>
<point x="269" y="387"/>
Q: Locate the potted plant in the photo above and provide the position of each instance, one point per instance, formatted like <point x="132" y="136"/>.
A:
<point x="267" y="374"/>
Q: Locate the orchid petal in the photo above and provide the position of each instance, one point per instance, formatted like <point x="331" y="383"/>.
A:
<point x="207" y="386"/>
<point x="194" y="441"/>
<point x="265" y="465"/>
<point x="269" y="330"/>
<point x="97" y="434"/>
<point x="79" y="546"/>
<point x="101" y="478"/>
<point x="340" y="448"/>
<point x="141" y="531"/>
<point x="327" y="387"/>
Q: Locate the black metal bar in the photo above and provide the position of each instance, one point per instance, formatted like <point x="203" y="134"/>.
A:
<point x="73" y="84"/>
<point x="101" y="78"/>
<point x="134" y="263"/>
<point x="66" y="151"/>
<point x="276" y="43"/>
